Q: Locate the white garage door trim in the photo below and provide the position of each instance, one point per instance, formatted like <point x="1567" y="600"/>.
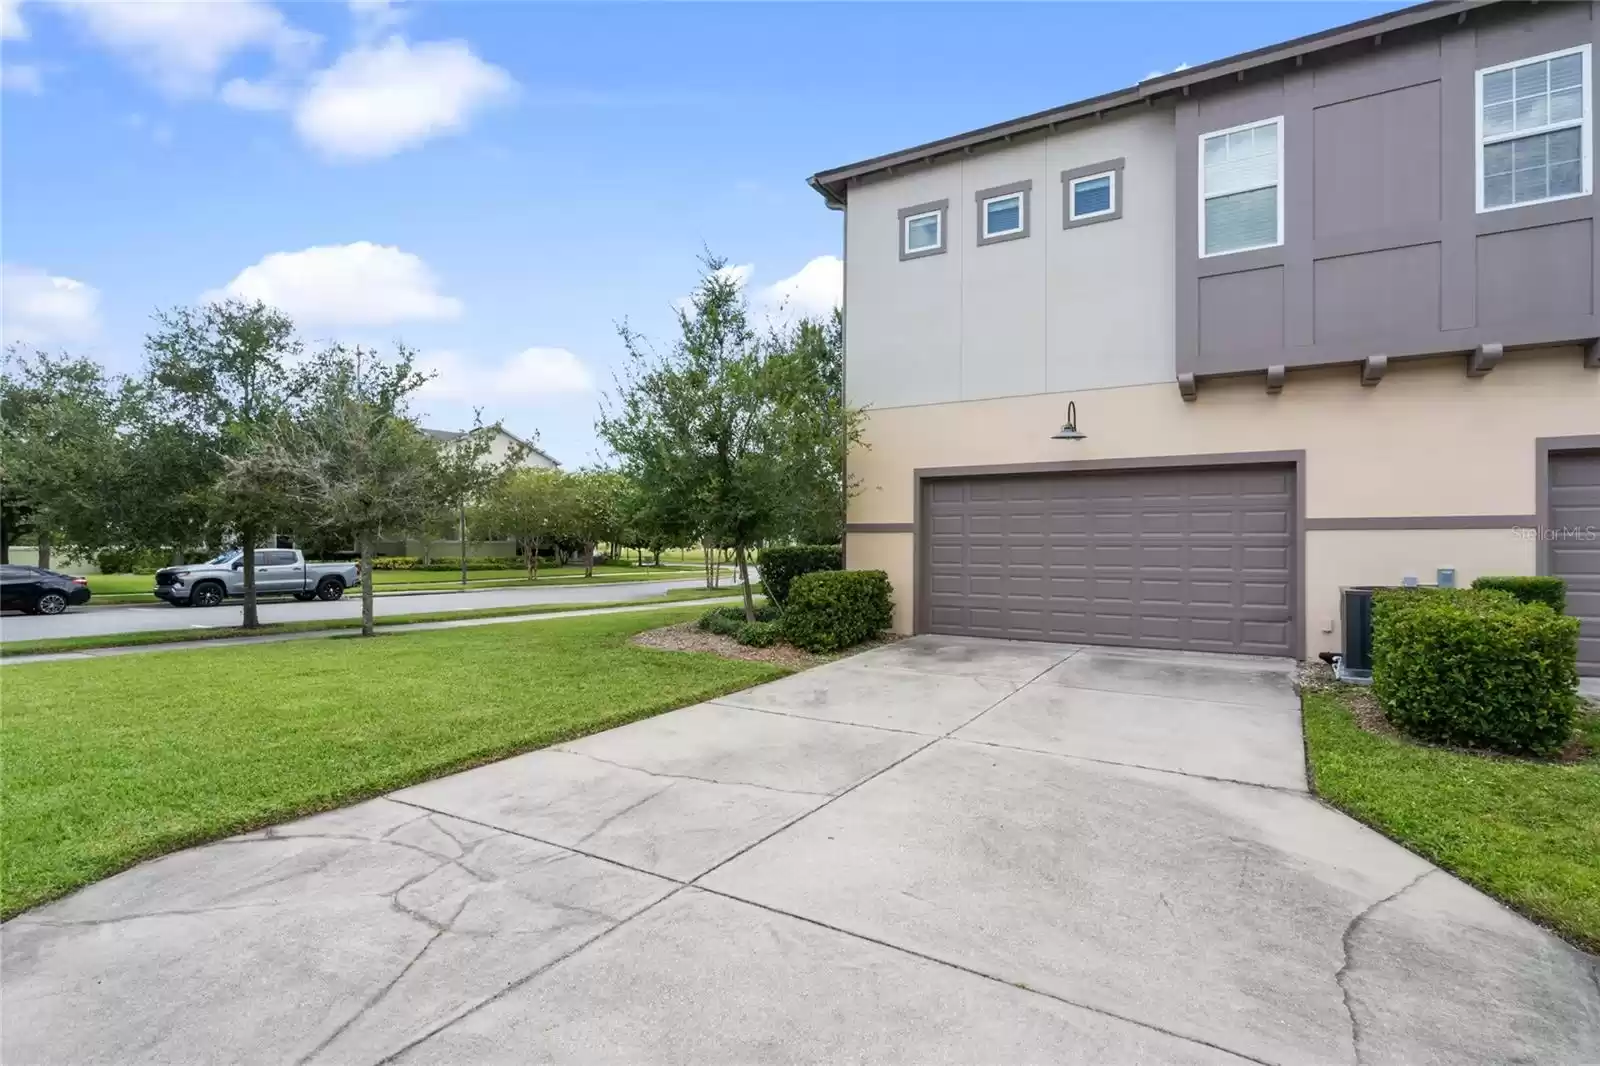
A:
<point x="1294" y="459"/>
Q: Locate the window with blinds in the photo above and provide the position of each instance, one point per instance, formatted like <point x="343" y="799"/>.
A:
<point x="1534" y="130"/>
<point x="1241" y="188"/>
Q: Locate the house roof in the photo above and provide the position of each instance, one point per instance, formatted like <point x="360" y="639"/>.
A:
<point x="451" y="434"/>
<point x="833" y="184"/>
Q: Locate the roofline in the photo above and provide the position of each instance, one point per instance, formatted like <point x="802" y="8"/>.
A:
<point x="832" y="184"/>
<point x="447" y="435"/>
<point x="531" y="447"/>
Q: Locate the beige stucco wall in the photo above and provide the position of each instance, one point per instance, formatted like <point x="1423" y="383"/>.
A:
<point x="1427" y="441"/>
<point x="1088" y="307"/>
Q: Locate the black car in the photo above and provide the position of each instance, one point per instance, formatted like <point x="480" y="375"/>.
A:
<point x="28" y="588"/>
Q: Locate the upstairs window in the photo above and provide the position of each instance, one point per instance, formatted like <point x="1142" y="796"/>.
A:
<point x="1092" y="197"/>
<point x="1241" y="188"/>
<point x="922" y="229"/>
<point x="1534" y="130"/>
<point x="1003" y="212"/>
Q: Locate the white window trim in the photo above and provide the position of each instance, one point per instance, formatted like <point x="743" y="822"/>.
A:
<point x="905" y="232"/>
<point x="1200" y="185"/>
<point x="1586" y="123"/>
<point x="1022" y="221"/>
<point x="1072" y="196"/>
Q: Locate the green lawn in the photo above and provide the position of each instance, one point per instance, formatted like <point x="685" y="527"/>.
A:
<point x="110" y="761"/>
<point x="1525" y="832"/>
<point x="47" y="645"/>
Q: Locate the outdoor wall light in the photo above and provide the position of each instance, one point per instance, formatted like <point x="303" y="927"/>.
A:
<point x="1070" y="430"/>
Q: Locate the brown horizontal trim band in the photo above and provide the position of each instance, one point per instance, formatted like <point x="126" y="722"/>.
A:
<point x="1143" y="462"/>
<point x="1435" y="521"/>
<point x="880" y="527"/>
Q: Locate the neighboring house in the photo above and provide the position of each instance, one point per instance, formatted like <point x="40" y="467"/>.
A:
<point x="501" y="446"/>
<point x="1326" y="312"/>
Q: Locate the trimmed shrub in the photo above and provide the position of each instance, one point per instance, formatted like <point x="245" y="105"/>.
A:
<point x="831" y="610"/>
<point x="1475" y="668"/>
<point x="781" y="565"/>
<point x="759" y="634"/>
<point x="142" y="560"/>
<point x="443" y="564"/>
<point x="1551" y="591"/>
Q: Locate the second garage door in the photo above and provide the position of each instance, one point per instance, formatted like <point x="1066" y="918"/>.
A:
<point x="1574" y="546"/>
<point x="1195" y="559"/>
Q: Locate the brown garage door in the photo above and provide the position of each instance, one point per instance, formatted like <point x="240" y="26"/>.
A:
<point x="1574" y="545"/>
<point x="1197" y="558"/>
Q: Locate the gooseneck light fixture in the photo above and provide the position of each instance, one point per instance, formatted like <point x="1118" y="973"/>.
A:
<point x="1069" y="431"/>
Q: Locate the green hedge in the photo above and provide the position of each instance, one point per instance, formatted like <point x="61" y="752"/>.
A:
<point x="144" y="560"/>
<point x="729" y="622"/>
<point x="1475" y="668"/>
<point x="444" y="566"/>
<point x="1551" y="591"/>
<point x="781" y="565"/>
<point x="831" y="610"/>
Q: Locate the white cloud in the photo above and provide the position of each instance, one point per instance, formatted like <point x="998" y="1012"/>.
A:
<point x="184" y="46"/>
<point x="372" y="17"/>
<point x="1164" y="73"/>
<point x="360" y="284"/>
<point x="812" y="292"/>
<point x="38" y="308"/>
<point x="12" y="28"/>
<point x="531" y="374"/>
<point x="22" y="78"/>
<point x="376" y="101"/>
<point x="255" y="95"/>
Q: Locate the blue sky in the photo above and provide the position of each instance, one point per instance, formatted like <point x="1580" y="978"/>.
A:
<point x="498" y="183"/>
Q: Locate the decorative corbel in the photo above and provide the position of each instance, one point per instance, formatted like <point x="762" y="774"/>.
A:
<point x="1373" y="367"/>
<point x="1485" y="359"/>
<point x="1187" y="387"/>
<point x="1275" y="376"/>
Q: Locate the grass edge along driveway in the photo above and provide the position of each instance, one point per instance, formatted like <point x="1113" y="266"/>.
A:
<point x="112" y="761"/>
<point x="1525" y="832"/>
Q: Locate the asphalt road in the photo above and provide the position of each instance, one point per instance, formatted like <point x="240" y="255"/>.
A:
<point x="82" y="623"/>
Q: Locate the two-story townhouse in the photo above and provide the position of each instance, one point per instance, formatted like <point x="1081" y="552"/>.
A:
<point x="1320" y="315"/>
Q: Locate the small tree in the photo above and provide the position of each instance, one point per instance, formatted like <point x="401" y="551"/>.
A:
<point x="223" y="368"/>
<point x="533" y="506"/>
<point x="347" y="456"/>
<point x="597" y="511"/>
<point x="468" y="474"/>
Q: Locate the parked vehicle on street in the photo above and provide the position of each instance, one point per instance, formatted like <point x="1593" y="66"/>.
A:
<point x="36" y="591"/>
<point x="279" y="572"/>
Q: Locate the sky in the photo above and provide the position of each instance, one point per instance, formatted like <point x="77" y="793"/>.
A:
<point x="498" y="184"/>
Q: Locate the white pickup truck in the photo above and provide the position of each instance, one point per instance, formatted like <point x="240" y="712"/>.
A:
<point x="279" y="572"/>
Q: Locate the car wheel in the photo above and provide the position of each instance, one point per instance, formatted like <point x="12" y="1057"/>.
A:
<point x="50" y="603"/>
<point x="206" y="594"/>
<point x="330" y="589"/>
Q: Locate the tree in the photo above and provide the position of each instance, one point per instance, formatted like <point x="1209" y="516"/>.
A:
<point x="596" y="512"/>
<point x="344" y="456"/>
<point x="467" y="475"/>
<point x="532" y="506"/>
<point x="224" y="370"/>
<point x="62" y="423"/>
<point x="808" y="360"/>
<point x="702" y="430"/>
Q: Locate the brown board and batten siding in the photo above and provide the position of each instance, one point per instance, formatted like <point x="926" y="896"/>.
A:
<point x="1190" y="558"/>
<point x="1384" y="250"/>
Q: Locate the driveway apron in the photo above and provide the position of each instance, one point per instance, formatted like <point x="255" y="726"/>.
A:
<point x="942" y="850"/>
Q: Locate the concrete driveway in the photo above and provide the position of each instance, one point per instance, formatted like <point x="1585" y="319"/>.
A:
<point x="940" y="851"/>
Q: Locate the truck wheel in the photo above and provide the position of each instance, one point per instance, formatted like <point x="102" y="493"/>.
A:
<point x="305" y="597"/>
<point x="330" y="588"/>
<point x="206" y="594"/>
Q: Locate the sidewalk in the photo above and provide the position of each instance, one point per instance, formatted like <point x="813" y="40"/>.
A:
<point x="322" y="634"/>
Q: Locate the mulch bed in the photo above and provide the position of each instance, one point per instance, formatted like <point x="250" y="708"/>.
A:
<point x="1318" y="676"/>
<point x="687" y="636"/>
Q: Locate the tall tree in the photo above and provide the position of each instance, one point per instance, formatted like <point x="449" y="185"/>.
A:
<point x="702" y="430"/>
<point x="807" y="360"/>
<point x="534" y="507"/>
<point x="345" y="455"/>
<point x="469" y="473"/>
<point x="597" y="510"/>
<point x="225" y="369"/>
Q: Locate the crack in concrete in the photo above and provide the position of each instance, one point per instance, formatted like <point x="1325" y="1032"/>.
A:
<point x="1347" y="943"/>
<point x="690" y="777"/>
<point x="607" y="822"/>
<point x="23" y="921"/>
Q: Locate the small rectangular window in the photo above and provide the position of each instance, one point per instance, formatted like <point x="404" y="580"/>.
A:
<point x="1241" y="188"/>
<point x="1534" y="137"/>
<point x="1002" y="215"/>
<point x="1092" y="196"/>
<point x="922" y="229"/>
